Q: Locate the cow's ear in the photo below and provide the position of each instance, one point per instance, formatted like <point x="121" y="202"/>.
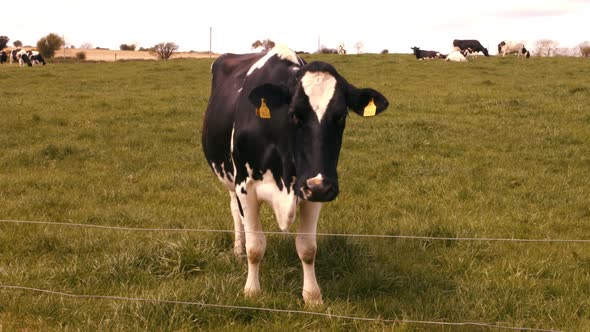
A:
<point x="273" y="95"/>
<point x="366" y="102"/>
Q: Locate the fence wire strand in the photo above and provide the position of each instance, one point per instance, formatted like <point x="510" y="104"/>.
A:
<point x="300" y="312"/>
<point x="383" y="236"/>
<point x="312" y="313"/>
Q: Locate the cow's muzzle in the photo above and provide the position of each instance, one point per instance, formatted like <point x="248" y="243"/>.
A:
<point x="319" y="190"/>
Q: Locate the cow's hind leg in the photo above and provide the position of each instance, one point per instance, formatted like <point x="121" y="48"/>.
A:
<point x="239" y="240"/>
<point x="306" y="249"/>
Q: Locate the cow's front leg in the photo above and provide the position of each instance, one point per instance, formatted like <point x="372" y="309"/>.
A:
<point x="239" y="241"/>
<point x="306" y="249"/>
<point x="255" y="240"/>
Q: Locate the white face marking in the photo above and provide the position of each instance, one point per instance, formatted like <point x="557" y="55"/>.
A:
<point x="319" y="87"/>
<point x="281" y="51"/>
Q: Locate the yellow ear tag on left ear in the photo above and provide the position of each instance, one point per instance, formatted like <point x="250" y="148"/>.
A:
<point x="370" y="109"/>
<point x="263" y="111"/>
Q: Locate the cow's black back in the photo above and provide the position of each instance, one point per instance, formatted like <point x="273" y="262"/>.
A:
<point x="471" y="44"/>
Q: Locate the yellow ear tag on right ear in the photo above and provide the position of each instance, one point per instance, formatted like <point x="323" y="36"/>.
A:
<point x="263" y="111"/>
<point x="370" y="109"/>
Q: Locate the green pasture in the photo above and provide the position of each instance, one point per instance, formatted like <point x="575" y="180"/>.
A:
<point x="493" y="148"/>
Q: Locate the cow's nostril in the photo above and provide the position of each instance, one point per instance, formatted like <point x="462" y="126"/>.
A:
<point x="306" y="191"/>
<point x="314" y="182"/>
<point x="317" y="188"/>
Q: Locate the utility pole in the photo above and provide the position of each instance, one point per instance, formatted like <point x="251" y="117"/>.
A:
<point x="210" y="40"/>
<point x="318" y="44"/>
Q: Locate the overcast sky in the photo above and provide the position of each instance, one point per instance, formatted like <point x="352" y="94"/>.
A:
<point x="299" y="24"/>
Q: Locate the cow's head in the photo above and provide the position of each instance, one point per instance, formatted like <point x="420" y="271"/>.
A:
<point x="26" y="59"/>
<point x="318" y="104"/>
<point x="485" y="52"/>
<point x="502" y="43"/>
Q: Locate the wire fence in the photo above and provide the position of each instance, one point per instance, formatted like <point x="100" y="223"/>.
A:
<point x="311" y="313"/>
<point x="382" y="236"/>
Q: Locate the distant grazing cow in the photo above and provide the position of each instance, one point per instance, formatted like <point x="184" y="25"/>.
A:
<point x="341" y="49"/>
<point x="456" y="56"/>
<point x="23" y="58"/>
<point x="272" y="133"/>
<point x="421" y="54"/>
<point x="472" y="44"/>
<point x="510" y="47"/>
<point x="36" y="57"/>
<point x="12" y="55"/>
<point x="3" y="57"/>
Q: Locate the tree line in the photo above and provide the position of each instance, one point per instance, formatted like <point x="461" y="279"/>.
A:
<point x="49" y="45"/>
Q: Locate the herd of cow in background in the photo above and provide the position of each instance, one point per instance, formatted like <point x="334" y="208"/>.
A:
<point x="23" y="57"/>
<point x="471" y="47"/>
<point x="461" y="50"/>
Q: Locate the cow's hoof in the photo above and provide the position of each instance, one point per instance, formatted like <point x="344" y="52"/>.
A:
<point x="251" y="292"/>
<point x="313" y="300"/>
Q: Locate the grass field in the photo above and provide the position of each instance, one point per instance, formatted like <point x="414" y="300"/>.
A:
<point x="493" y="148"/>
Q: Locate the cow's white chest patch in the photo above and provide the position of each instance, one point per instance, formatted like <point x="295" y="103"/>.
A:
<point x="319" y="88"/>
<point x="283" y="201"/>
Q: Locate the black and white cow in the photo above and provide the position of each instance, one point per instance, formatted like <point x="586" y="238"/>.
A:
<point x="421" y="54"/>
<point x="21" y="56"/>
<point x="472" y="44"/>
<point x="456" y="56"/>
<point x="510" y="47"/>
<point x="3" y="57"/>
<point x="36" y="57"/>
<point x="12" y="55"/>
<point x="272" y="133"/>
